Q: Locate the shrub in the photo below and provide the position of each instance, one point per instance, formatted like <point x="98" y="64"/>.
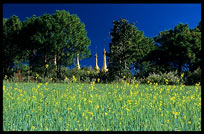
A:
<point x="141" y="80"/>
<point x="193" y="77"/>
<point x="103" y="76"/>
<point x="164" y="78"/>
<point x="172" y="77"/>
<point x="83" y="75"/>
<point x="154" y="78"/>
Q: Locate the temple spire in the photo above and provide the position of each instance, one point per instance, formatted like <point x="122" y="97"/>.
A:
<point x="77" y="59"/>
<point x="96" y="63"/>
<point x="104" y="69"/>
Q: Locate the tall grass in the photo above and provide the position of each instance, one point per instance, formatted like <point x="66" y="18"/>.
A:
<point x="101" y="107"/>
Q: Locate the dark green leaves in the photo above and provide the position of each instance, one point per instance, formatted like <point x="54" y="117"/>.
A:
<point x="47" y="39"/>
<point x="129" y="47"/>
<point x="180" y="47"/>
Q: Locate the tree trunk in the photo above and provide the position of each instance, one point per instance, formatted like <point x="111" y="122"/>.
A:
<point x="58" y="68"/>
<point x="45" y="62"/>
<point x="59" y="72"/>
<point x="30" y="66"/>
<point x="120" y="70"/>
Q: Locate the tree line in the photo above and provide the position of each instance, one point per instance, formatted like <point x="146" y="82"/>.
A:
<point x="177" y="49"/>
<point x="47" y="40"/>
<point x="50" y="42"/>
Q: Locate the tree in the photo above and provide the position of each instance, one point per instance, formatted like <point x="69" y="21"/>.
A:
<point x="11" y="45"/>
<point x="128" y="48"/>
<point x="54" y="40"/>
<point x="26" y="35"/>
<point x="43" y="40"/>
<point x="140" y="53"/>
<point x="179" y="48"/>
<point x="194" y="61"/>
<point x="71" y="39"/>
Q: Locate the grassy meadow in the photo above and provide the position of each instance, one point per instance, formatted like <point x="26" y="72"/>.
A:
<point x="101" y="107"/>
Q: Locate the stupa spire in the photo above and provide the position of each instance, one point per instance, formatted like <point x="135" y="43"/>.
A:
<point x="96" y="63"/>
<point x="104" y="69"/>
<point x="77" y="59"/>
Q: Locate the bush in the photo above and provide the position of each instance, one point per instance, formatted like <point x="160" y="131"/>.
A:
<point x="164" y="78"/>
<point x="172" y="77"/>
<point x="19" y="73"/>
<point x="141" y="80"/>
<point x="154" y="78"/>
<point x="104" y="77"/>
<point x="193" y="77"/>
<point x="83" y="75"/>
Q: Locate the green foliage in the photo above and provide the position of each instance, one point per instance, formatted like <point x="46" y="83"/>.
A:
<point x="48" y="39"/>
<point x="82" y="75"/>
<point x="11" y="43"/>
<point x="172" y="78"/>
<point x="180" y="47"/>
<point x="144" y="68"/>
<point x="103" y="77"/>
<point x="193" y="77"/>
<point x="128" y="48"/>
<point x="164" y="78"/>
<point x="71" y="39"/>
<point x="155" y="78"/>
<point x="55" y="41"/>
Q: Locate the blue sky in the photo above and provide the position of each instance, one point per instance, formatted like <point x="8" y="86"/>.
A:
<point x="98" y="18"/>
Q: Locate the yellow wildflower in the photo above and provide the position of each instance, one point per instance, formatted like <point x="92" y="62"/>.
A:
<point x="37" y="75"/>
<point x="32" y="127"/>
<point x="97" y="106"/>
<point x="46" y="66"/>
<point x="128" y="109"/>
<point x="5" y="76"/>
<point x="167" y="81"/>
<point x="176" y="114"/>
<point x="98" y="80"/>
<point x="74" y="78"/>
<point x="182" y="75"/>
<point x="197" y="84"/>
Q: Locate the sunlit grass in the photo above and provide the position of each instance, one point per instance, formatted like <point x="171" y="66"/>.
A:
<point x="101" y="107"/>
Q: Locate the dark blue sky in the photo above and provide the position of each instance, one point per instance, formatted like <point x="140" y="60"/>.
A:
<point x="98" y="18"/>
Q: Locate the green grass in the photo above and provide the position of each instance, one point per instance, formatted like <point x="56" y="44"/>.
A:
<point x="100" y="107"/>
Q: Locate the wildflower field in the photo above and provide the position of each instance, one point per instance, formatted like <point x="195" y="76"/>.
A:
<point x="101" y="107"/>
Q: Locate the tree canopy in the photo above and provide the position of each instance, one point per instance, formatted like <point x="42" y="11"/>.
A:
<point x="179" y="48"/>
<point x="51" y="42"/>
<point x="128" y="48"/>
<point x="48" y="39"/>
<point x="11" y="47"/>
